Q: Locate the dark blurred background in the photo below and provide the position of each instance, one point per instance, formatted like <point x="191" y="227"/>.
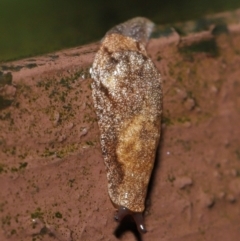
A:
<point x="29" y="27"/>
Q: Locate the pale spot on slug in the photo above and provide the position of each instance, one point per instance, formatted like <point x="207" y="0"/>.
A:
<point x="90" y="71"/>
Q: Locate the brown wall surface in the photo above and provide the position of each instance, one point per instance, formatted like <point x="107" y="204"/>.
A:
<point x="52" y="176"/>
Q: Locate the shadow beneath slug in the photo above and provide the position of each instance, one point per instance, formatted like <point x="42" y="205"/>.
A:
<point x="127" y="224"/>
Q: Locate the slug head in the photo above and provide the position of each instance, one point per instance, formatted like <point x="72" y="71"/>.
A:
<point x="138" y="28"/>
<point x="138" y="218"/>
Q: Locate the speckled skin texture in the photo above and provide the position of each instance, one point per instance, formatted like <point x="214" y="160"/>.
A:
<point x="127" y="98"/>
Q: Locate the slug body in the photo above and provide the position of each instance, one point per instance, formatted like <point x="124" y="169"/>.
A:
<point x="128" y="101"/>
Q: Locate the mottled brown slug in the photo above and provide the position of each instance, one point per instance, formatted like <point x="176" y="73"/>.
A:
<point x="127" y="97"/>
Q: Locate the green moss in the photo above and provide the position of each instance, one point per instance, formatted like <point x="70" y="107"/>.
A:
<point x="37" y="214"/>
<point x="237" y="152"/>
<point x="6" y="220"/>
<point x="185" y="144"/>
<point x="171" y="71"/>
<point x="9" y="151"/>
<point x="59" y="152"/>
<point x="85" y="171"/>
<point x="65" y="150"/>
<point x="183" y="119"/>
<point x="46" y="84"/>
<point x="65" y="82"/>
<point x="88" y="118"/>
<point x="25" y="91"/>
<point x="218" y="165"/>
<point x="180" y="30"/>
<point x="238" y="173"/>
<point x="162" y="31"/>
<point x="167" y="121"/>
<point x="159" y="58"/>
<point x="89" y="143"/>
<point x="67" y="107"/>
<point x="71" y="181"/>
<point x="11" y="67"/>
<point x="16" y="218"/>
<point x="3" y="168"/>
<point x="180" y="79"/>
<point x="220" y="29"/>
<point x="171" y="178"/>
<point x="5" y="79"/>
<point x="207" y="46"/>
<point x="47" y="153"/>
<point x="30" y="66"/>
<point x="202" y="24"/>
<point x="201" y="231"/>
<point x="2" y="205"/>
<point x="13" y="151"/>
<point x="55" y="87"/>
<point x="13" y="231"/>
<point x="4" y="103"/>
<point x="44" y="231"/>
<point x="58" y="215"/>
<point x="14" y="169"/>
<point x="23" y="165"/>
<point x="23" y="156"/>
<point x="62" y="96"/>
<point x="53" y="56"/>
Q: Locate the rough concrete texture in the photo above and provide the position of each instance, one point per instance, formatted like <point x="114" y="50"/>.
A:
<point x="52" y="176"/>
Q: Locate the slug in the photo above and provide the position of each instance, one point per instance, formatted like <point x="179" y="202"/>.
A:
<point x="127" y="97"/>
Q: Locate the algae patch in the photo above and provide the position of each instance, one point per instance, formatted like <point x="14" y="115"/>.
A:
<point x="5" y="79"/>
<point x="207" y="46"/>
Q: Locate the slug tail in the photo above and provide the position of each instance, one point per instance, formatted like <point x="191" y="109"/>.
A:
<point x="138" y="218"/>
